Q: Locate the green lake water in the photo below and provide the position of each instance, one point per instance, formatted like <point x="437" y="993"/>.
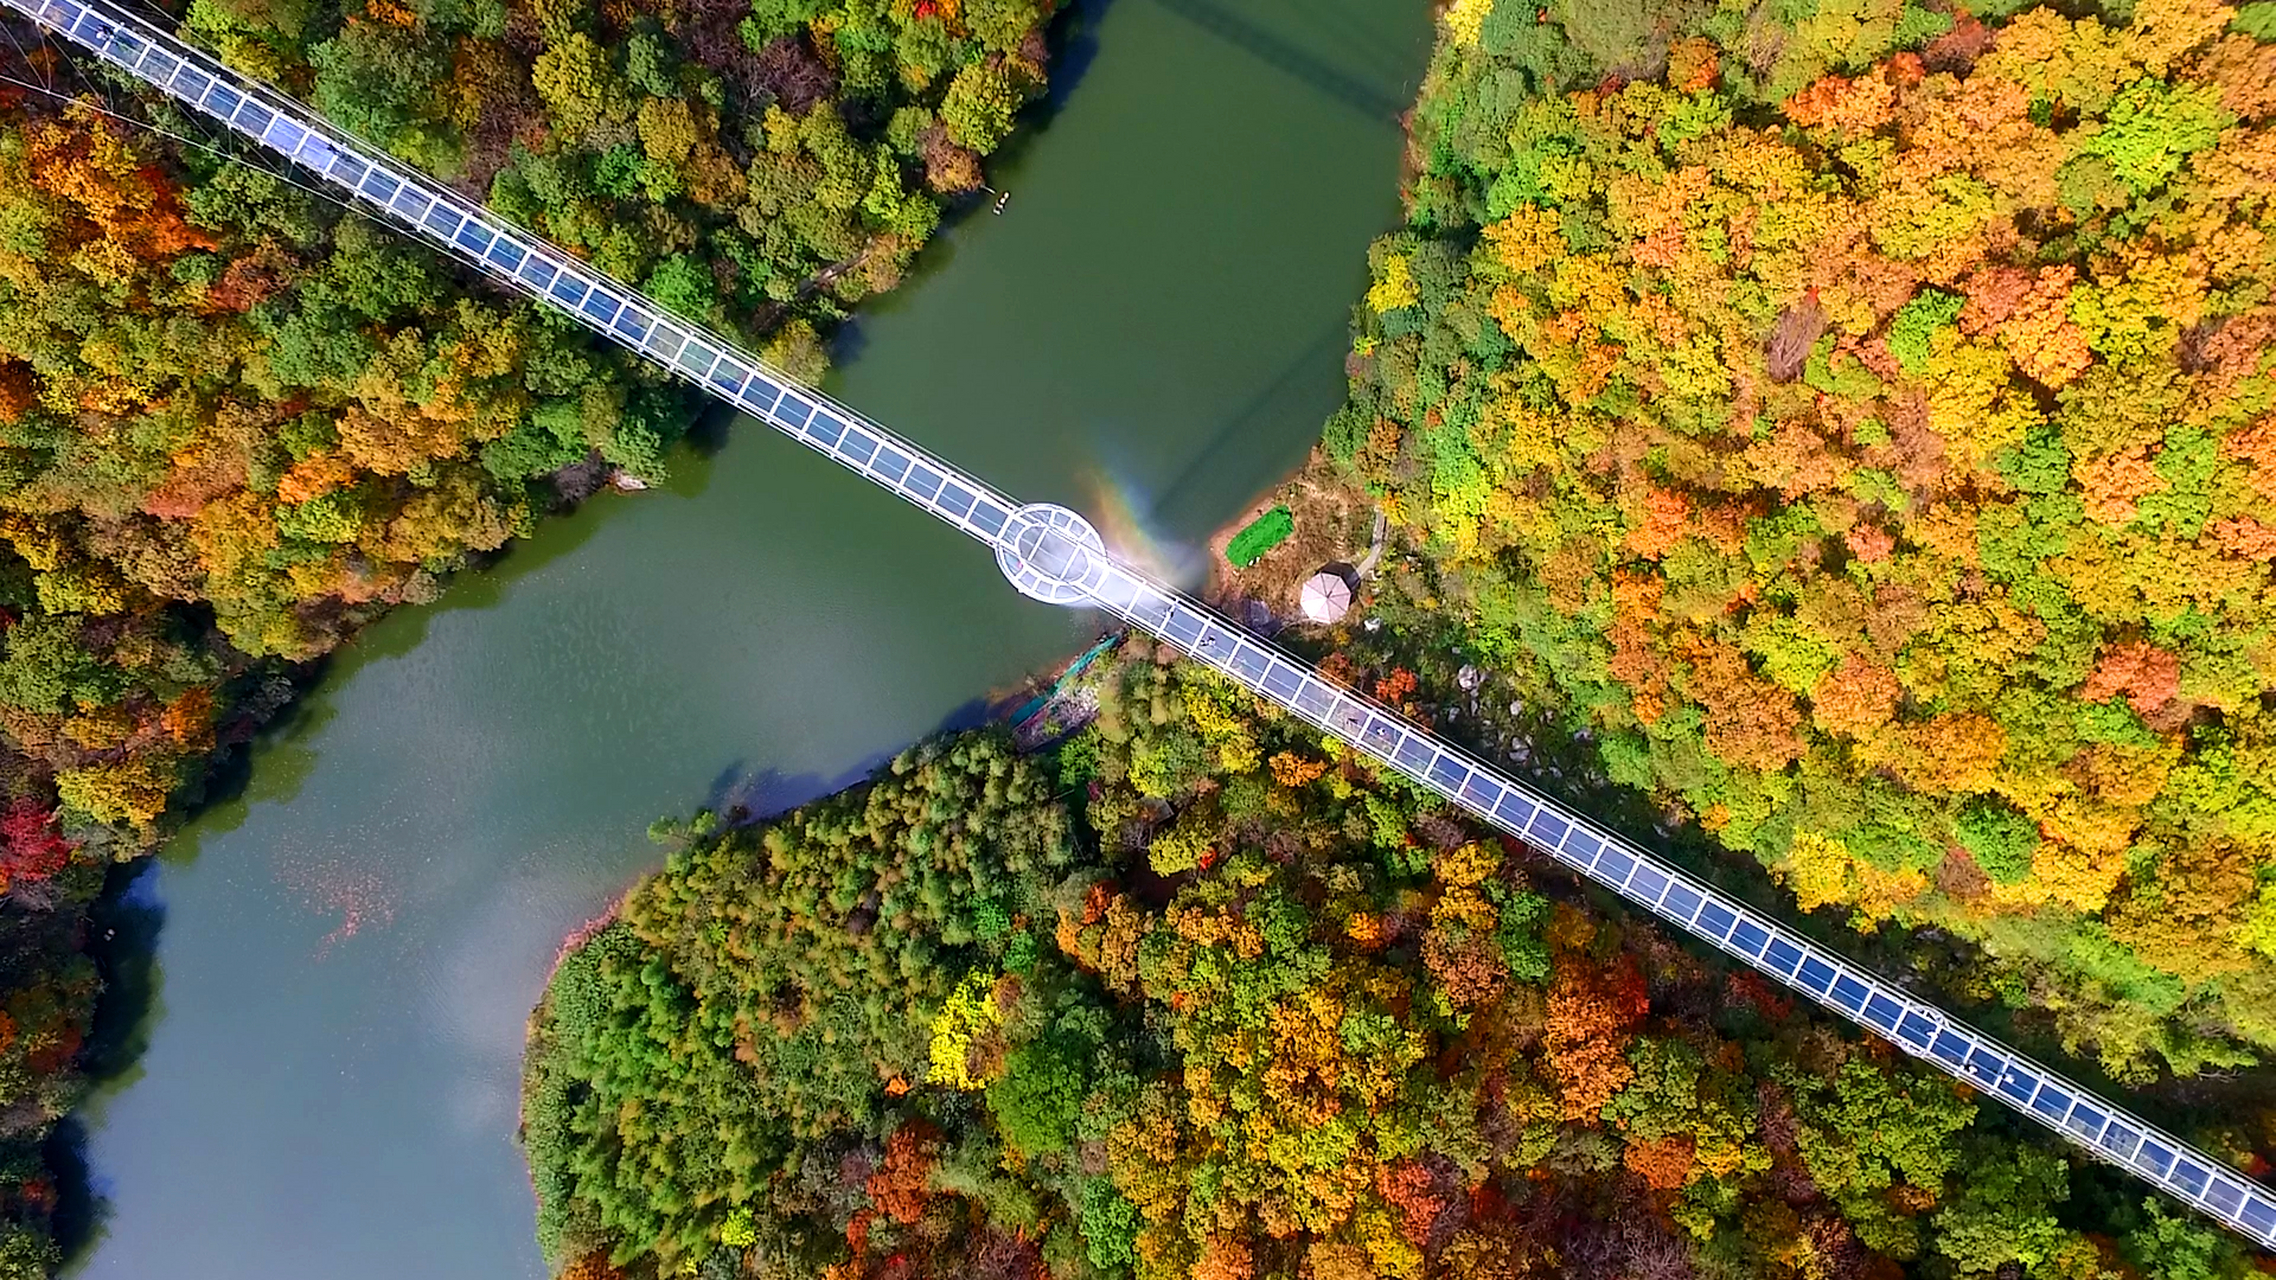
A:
<point x="1154" y="327"/>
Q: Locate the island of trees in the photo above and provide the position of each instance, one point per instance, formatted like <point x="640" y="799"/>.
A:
<point x="236" y="423"/>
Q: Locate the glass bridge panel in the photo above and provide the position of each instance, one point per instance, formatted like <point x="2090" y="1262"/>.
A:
<point x="1152" y="609"/>
<point x="1615" y="866"/>
<point x="2154" y="1156"/>
<point x="1716" y="918"/>
<point x="1815" y="974"/>
<point x="1515" y="810"/>
<point x="1681" y="902"/>
<point x="1449" y="773"/>
<point x="759" y="396"/>
<point x="1849" y="993"/>
<point x="1584" y="848"/>
<point x="2123" y="1140"/>
<point x="1380" y="733"/>
<point x="1282" y="681"/>
<point x="283" y="134"/>
<point x="221" y="100"/>
<point x="379" y="186"/>
<point x="2017" y="1084"/>
<point x="1749" y="937"/>
<point x="1649" y="882"/>
<point x="631" y="325"/>
<point x="891" y="464"/>
<point x="2052" y="1102"/>
<point x="1251" y="663"/>
<point x="1948" y="1049"/>
<point x="667" y="342"/>
<point x="1549" y="830"/>
<point x="507" y="255"/>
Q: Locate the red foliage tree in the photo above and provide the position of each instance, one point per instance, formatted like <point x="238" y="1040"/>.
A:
<point x="30" y="849"/>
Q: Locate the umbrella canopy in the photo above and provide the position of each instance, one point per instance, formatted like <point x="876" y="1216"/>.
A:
<point x="1326" y="598"/>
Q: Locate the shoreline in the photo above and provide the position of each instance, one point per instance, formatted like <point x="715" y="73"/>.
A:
<point x="1334" y="525"/>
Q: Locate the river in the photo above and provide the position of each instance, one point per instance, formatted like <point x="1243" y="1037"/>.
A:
<point x="1154" y="327"/>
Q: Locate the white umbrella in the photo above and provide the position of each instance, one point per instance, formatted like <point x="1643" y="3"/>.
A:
<point x="1326" y="598"/>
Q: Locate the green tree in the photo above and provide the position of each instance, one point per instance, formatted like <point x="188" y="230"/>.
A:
<point x="579" y="84"/>
<point x="2004" y="1210"/>
<point x="979" y="106"/>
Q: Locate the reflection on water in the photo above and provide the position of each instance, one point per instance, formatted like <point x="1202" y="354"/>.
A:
<point x="352" y="943"/>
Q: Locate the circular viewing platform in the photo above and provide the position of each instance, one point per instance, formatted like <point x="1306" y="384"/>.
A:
<point x="1051" y="554"/>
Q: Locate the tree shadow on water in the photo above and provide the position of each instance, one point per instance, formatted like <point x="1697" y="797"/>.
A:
<point x="123" y="928"/>
<point x="742" y="794"/>
<point x="705" y="438"/>
<point x="1074" y="44"/>
<point x="269" y="767"/>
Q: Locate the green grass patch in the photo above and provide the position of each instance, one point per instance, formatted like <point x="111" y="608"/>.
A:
<point x="1262" y="534"/>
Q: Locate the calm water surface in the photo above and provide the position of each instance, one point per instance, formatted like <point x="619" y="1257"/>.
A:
<point x="350" y="950"/>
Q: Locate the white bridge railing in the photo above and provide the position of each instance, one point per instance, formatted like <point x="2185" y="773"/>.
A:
<point x="1053" y="554"/>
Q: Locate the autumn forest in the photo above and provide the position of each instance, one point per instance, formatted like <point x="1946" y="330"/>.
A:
<point x="1842" y="434"/>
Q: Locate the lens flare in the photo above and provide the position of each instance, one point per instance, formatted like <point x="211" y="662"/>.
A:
<point x="1122" y="513"/>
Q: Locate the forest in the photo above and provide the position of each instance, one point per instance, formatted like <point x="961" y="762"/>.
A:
<point x="1852" y="419"/>
<point x="1197" y="993"/>
<point x="237" y="422"/>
